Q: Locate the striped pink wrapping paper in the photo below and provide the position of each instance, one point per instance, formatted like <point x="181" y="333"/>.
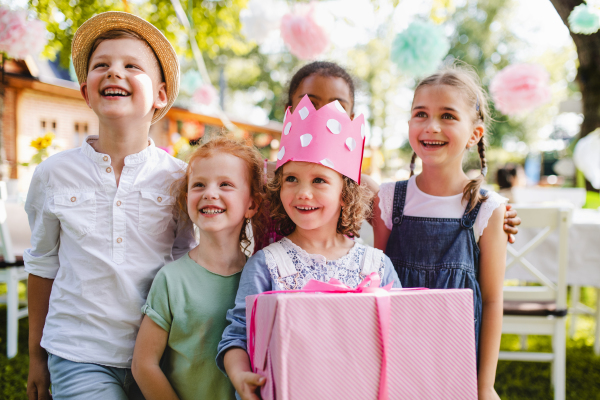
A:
<point x="328" y="346"/>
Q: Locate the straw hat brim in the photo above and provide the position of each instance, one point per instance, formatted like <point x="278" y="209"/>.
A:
<point x="89" y="31"/>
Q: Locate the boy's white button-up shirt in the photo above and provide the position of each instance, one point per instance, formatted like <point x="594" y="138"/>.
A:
<point x="102" y="245"/>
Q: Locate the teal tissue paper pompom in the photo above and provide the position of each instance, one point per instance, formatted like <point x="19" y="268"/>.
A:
<point x="190" y="81"/>
<point x="419" y="49"/>
<point x="584" y="19"/>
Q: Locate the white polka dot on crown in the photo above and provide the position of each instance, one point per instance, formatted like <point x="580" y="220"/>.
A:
<point x="287" y="128"/>
<point x="281" y="153"/>
<point x="339" y="107"/>
<point x="327" y="162"/>
<point x="305" y="139"/>
<point x="334" y="126"/>
<point x="350" y="143"/>
<point x="303" y="113"/>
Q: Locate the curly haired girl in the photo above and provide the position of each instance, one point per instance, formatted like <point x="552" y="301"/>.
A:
<point x="319" y="210"/>
<point x="185" y="310"/>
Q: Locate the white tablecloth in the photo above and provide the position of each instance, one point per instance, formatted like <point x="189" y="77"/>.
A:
<point x="584" y="252"/>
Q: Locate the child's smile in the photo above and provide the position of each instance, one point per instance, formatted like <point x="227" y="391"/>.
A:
<point x="114" y="92"/>
<point x="432" y="144"/>
<point x="211" y="210"/>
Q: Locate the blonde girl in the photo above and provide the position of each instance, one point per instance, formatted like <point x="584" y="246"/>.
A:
<point x="440" y="229"/>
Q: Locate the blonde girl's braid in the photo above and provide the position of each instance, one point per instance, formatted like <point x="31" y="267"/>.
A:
<point x="472" y="190"/>
<point x="412" y="163"/>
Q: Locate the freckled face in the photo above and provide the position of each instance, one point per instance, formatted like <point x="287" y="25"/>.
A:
<point x="219" y="193"/>
<point x="311" y="195"/>
<point x="441" y="125"/>
<point x="322" y="90"/>
<point x="124" y="80"/>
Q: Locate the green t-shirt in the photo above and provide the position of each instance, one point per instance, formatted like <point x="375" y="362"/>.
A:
<point x="190" y="303"/>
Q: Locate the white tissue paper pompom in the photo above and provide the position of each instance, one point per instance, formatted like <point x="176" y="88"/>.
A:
<point x="261" y="18"/>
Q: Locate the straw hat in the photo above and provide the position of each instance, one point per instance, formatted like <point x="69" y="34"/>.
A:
<point x="113" y="20"/>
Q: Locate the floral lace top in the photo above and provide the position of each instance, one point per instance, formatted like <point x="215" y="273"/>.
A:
<point x="295" y="267"/>
<point x="350" y="269"/>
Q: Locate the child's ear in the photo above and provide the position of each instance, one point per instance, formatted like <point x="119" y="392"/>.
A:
<point x="84" y="93"/>
<point x="162" y="98"/>
<point x="476" y="135"/>
<point x="252" y="210"/>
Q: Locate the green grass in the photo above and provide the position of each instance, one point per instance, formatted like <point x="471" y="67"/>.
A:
<point x="514" y="380"/>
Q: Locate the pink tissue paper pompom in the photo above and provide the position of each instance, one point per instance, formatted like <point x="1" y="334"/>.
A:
<point x="520" y="87"/>
<point x="302" y="34"/>
<point x="19" y="37"/>
<point x="205" y="94"/>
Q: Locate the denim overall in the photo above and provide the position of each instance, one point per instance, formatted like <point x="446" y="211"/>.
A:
<point x="436" y="253"/>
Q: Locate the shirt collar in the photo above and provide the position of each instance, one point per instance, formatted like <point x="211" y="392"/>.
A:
<point x="101" y="158"/>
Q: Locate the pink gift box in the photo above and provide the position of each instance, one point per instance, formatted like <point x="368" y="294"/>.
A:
<point x="329" y="345"/>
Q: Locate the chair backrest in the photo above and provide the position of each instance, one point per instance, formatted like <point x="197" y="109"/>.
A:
<point x="6" y="247"/>
<point x="574" y="196"/>
<point x="548" y="220"/>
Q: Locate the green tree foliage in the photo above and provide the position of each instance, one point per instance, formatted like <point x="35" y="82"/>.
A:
<point x="216" y="23"/>
<point x="481" y="39"/>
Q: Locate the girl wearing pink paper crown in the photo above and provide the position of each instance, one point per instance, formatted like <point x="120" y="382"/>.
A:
<point x="317" y="202"/>
<point x="440" y="229"/>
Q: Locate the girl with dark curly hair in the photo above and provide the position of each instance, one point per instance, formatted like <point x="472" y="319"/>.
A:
<point x="318" y="203"/>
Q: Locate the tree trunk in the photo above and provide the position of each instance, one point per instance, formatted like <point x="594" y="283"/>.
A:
<point x="588" y="73"/>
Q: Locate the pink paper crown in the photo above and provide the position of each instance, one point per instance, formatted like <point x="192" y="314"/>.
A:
<point x="327" y="137"/>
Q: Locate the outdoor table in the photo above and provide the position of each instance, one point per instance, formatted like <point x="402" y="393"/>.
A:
<point x="584" y="259"/>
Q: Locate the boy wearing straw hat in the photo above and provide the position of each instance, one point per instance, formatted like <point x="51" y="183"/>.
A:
<point x="101" y="217"/>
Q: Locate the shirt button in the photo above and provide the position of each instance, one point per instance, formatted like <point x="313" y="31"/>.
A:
<point x="159" y="199"/>
<point x="118" y="203"/>
<point x="73" y="199"/>
<point x="119" y="240"/>
<point x="105" y="158"/>
<point x="108" y="169"/>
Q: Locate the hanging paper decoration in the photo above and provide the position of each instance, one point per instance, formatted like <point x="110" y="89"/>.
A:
<point x="205" y="94"/>
<point x="190" y="82"/>
<point x="304" y="32"/>
<point x="419" y="49"/>
<point x="18" y="36"/>
<point x="261" y="18"/>
<point x="520" y="87"/>
<point x="586" y="157"/>
<point x="584" y="19"/>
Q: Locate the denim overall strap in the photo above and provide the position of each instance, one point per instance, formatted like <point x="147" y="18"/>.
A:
<point x="469" y="217"/>
<point x="399" y="201"/>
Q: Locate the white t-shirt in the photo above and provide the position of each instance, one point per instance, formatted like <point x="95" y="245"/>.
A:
<point x="420" y="204"/>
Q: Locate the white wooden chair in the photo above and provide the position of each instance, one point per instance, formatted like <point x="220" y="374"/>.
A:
<point x="12" y="271"/>
<point x="540" y="310"/>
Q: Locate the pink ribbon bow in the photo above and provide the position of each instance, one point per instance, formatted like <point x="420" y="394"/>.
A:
<point x="369" y="285"/>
